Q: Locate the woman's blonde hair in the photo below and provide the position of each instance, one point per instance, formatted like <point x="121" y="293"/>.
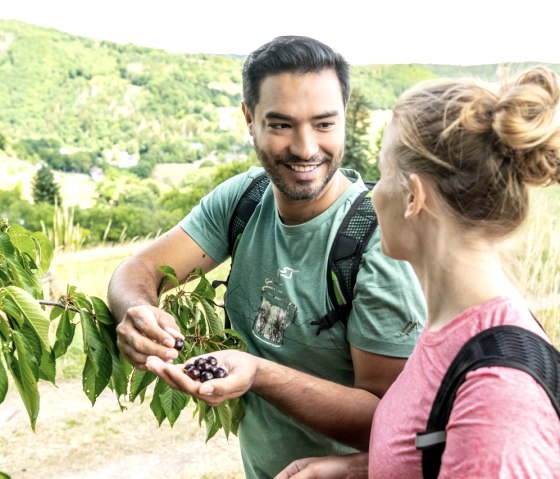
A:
<point x="481" y="147"/>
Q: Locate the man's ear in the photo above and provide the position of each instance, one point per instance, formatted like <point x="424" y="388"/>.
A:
<point x="248" y="117"/>
<point x="416" y="199"/>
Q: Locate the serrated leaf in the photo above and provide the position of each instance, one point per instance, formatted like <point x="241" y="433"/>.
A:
<point x="22" y="278"/>
<point x="56" y="311"/>
<point x="25" y="380"/>
<point x="155" y="404"/>
<point x="224" y="413"/>
<point x="45" y="249"/>
<point x="169" y="276"/>
<point x="215" y="325"/>
<point x="93" y="345"/>
<point x="3" y="382"/>
<point x="204" y="289"/>
<point x="82" y="301"/>
<point x="94" y="381"/>
<point x="172" y="403"/>
<point x="119" y="376"/>
<point x="5" y="330"/>
<point x="102" y="313"/>
<point x="64" y="334"/>
<point x="47" y="367"/>
<point x="213" y="423"/>
<point x="7" y="248"/>
<point x="31" y="310"/>
<point x="140" y="380"/>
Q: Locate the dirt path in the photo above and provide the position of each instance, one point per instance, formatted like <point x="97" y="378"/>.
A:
<point x="75" y="440"/>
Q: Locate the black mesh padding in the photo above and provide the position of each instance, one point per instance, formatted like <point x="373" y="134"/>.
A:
<point x="508" y="346"/>
<point x="245" y="207"/>
<point x="352" y="237"/>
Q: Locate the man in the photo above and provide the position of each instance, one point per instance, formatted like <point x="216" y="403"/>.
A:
<point x="307" y="393"/>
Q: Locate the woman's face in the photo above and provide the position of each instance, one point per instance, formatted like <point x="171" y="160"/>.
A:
<point x="389" y="200"/>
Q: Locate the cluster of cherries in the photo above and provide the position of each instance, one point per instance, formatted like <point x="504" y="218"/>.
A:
<point x="203" y="369"/>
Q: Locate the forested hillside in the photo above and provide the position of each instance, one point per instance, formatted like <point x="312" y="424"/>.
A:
<point x="112" y="111"/>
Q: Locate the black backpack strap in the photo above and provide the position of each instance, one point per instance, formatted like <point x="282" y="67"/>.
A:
<point x="345" y="256"/>
<point x="245" y="208"/>
<point x="509" y="346"/>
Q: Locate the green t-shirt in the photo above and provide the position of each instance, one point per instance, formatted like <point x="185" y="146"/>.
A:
<point x="278" y="287"/>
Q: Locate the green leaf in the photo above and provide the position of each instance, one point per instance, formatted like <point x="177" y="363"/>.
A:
<point x="45" y="249"/>
<point x="213" y="423"/>
<point x="139" y="382"/>
<point x="21" y="277"/>
<point x="155" y="404"/>
<point x="169" y="275"/>
<point x="6" y="246"/>
<point x="3" y="475"/>
<point x="93" y="345"/>
<point x="3" y="382"/>
<point x="64" y="334"/>
<point x="31" y="310"/>
<point x="224" y="413"/>
<point x="204" y="289"/>
<point x="47" y="366"/>
<point x="102" y="313"/>
<point x="94" y="381"/>
<point x="25" y="380"/>
<point x="172" y="403"/>
<point x="5" y="330"/>
<point x="215" y="325"/>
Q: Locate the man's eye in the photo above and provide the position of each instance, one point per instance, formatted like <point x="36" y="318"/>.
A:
<point x="325" y="125"/>
<point x="278" y="126"/>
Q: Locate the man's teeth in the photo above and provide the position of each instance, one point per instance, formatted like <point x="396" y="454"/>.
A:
<point x="303" y="169"/>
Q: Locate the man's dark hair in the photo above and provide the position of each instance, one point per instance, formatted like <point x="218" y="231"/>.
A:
<point x="291" y="54"/>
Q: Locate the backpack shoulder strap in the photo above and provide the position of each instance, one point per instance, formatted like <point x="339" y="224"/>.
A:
<point x="506" y="345"/>
<point x="345" y="256"/>
<point x="245" y="208"/>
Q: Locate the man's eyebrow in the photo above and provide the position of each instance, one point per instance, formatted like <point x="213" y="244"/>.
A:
<point x="274" y="115"/>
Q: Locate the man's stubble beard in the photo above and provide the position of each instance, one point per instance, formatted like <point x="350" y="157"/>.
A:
<point x="301" y="190"/>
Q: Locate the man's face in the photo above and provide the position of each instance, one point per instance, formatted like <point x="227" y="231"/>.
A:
<point x="298" y="131"/>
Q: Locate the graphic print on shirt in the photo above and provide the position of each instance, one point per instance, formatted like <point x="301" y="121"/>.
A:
<point x="275" y="312"/>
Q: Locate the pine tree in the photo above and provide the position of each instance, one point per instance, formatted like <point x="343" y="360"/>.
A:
<point x="45" y="189"/>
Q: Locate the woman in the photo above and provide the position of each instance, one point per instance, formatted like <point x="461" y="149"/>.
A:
<point x="456" y="162"/>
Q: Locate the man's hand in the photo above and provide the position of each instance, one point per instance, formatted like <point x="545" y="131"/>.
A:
<point x="353" y="466"/>
<point x="147" y="331"/>
<point x="241" y="370"/>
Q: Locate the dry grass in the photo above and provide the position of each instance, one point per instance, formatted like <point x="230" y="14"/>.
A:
<point x="536" y="260"/>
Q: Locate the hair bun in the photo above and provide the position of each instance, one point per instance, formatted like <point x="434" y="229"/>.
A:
<point x="527" y="123"/>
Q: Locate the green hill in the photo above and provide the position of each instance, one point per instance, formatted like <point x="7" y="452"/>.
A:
<point x="92" y="99"/>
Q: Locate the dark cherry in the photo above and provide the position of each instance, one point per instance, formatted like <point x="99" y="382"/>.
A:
<point x="179" y="344"/>
<point x="219" y="372"/>
<point x="206" y="376"/>
<point x="211" y="360"/>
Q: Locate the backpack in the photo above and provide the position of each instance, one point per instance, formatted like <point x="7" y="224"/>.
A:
<point x="346" y="251"/>
<point x="505" y="345"/>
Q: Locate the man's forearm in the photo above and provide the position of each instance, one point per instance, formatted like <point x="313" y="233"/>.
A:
<point x="339" y="412"/>
<point x="132" y="284"/>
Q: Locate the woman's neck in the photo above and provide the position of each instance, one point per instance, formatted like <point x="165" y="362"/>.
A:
<point x="457" y="275"/>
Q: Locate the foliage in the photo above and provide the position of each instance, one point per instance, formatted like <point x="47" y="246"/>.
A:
<point x="45" y="188"/>
<point x="204" y="332"/>
<point x="31" y="340"/>
<point x="358" y="148"/>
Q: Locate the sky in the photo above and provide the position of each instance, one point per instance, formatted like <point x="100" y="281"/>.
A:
<point x="365" y="32"/>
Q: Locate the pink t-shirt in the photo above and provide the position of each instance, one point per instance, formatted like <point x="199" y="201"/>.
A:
<point x="502" y="425"/>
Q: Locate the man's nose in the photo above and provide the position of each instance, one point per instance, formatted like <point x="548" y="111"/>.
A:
<point x="304" y="144"/>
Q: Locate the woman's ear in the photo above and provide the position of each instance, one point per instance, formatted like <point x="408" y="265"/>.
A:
<point x="416" y="199"/>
